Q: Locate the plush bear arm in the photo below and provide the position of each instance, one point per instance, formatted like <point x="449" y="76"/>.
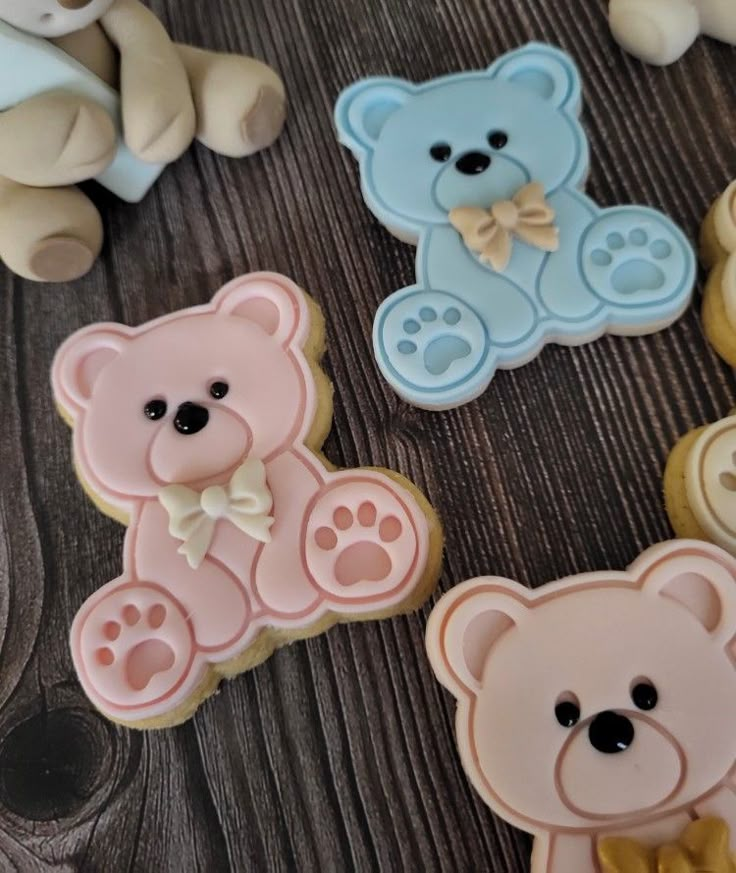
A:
<point x="56" y="138"/>
<point x="93" y="50"/>
<point x="158" y="110"/>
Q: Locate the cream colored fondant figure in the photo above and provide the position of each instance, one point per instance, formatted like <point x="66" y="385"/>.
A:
<point x="661" y="31"/>
<point x="169" y="94"/>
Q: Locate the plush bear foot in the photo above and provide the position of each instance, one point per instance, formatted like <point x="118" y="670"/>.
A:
<point x="657" y="31"/>
<point x="132" y="647"/>
<point x="240" y="102"/>
<point x="48" y="234"/>
<point x="361" y="541"/>
<point x="55" y="139"/>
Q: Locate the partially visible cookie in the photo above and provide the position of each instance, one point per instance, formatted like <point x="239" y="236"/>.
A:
<point x="700" y="484"/>
<point x="718" y="253"/>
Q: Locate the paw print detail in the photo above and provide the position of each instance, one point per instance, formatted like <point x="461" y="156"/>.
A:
<point x="363" y="559"/>
<point x="133" y="646"/>
<point x="144" y="659"/>
<point x="633" y="261"/>
<point x="360" y="540"/>
<point x="432" y="333"/>
<point x="727" y="478"/>
<point x="635" y="258"/>
<point x="429" y="340"/>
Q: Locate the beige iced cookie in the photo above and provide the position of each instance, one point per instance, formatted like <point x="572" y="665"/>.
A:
<point x="700" y="484"/>
<point x="718" y="252"/>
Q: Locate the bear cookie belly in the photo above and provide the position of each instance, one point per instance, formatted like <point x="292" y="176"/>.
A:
<point x="241" y="537"/>
<point x="483" y="172"/>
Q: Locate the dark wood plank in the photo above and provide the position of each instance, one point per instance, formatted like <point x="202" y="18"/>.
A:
<point x="338" y="754"/>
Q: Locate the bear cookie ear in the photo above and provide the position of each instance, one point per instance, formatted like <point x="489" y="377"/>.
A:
<point x="272" y="301"/>
<point x="466" y="624"/>
<point x="546" y="71"/>
<point x="700" y="577"/>
<point x="81" y="359"/>
<point x="363" y="109"/>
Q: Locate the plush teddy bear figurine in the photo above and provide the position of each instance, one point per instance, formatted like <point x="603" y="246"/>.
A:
<point x="601" y="706"/>
<point x="58" y="131"/>
<point x="661" y="31"/>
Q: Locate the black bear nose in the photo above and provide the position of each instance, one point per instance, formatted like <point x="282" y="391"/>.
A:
<point x="473" y="163"/>
<point x="611" y="733"/>
<point x="191" y="418"/>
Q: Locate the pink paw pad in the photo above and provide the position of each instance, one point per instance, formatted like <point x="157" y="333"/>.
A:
<point x="134" y="646"/>
<point x="361" y="540"/>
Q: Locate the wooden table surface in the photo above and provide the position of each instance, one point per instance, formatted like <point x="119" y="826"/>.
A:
<point x="338" y="754"/>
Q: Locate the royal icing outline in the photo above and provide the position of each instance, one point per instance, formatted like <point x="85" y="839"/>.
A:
<point x="472" y="141"/>
<point x="235" y="526"/>
<point x="623" y="679"/>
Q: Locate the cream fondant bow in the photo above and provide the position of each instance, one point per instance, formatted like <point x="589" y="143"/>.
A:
<point x="490" y="232"/>
<point x="245" y="501"/>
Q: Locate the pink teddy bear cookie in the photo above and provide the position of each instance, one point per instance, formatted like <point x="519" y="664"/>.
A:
<point x="602" y="705"/>
<point x="201" y="431"/>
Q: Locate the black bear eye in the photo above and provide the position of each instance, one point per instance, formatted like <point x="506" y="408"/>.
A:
<point x="155" y="409"/>
<point x="441" y="152"/>
<point x="498" y="139"/>
<point x="567" y="713"/>
<point x="219" y="389"/>
<point x="644" y="695"/>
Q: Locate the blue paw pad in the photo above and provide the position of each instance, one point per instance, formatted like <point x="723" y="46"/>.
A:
<point x="428" y="341"/>
<point x="635" y="257"/>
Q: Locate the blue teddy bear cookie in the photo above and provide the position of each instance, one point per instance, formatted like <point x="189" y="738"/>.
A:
<point x="483" y="172"/>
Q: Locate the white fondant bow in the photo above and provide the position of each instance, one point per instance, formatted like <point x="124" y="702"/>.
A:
<point x="245" y="502"/>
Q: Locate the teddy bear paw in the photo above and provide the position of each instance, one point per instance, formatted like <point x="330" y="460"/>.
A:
<point x="361" y="541"/>
<point x="133" y="647"/>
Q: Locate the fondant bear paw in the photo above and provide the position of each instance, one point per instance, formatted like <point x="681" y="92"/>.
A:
<point x="429" y="345"/>
<point x="361" y="541"/>
<point x="638" y="261"/>
<point x="133" y="647"/>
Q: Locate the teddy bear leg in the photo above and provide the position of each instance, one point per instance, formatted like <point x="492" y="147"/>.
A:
<point x="56" y="138"/>
<point x="641" y="264"/>
<point x="718" y="19"/>
<point x="657" y="31"/>
<point x="364" y="541"/>
<point x="48" y="234"/>
<point x="240" y="102"/>
<point x="432" y="347"/>
<point x="132" y="645"/>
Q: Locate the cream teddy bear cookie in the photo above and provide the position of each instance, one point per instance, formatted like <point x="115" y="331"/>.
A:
<point x="700" y="484"/>
<point x="241" y="536"/>
<point x="718" y="253"/>
<point x="600" y="706"/>
<point x="661" y="31"/>
<point x="97" y="89"/>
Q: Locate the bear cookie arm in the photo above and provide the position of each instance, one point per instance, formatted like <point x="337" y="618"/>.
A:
<point x="598" y="712"/>
<point x="483" y="172"/>
<point x="661" y="31"/>
<point x="241" y="536"/>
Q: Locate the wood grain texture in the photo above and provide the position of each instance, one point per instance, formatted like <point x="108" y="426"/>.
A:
<point x="338" y="754"/>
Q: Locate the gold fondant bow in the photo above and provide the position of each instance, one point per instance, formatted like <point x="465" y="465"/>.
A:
<point x="245" y="501"/>
<point x="490" y="232"/>
<point x="704" y="847"/>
